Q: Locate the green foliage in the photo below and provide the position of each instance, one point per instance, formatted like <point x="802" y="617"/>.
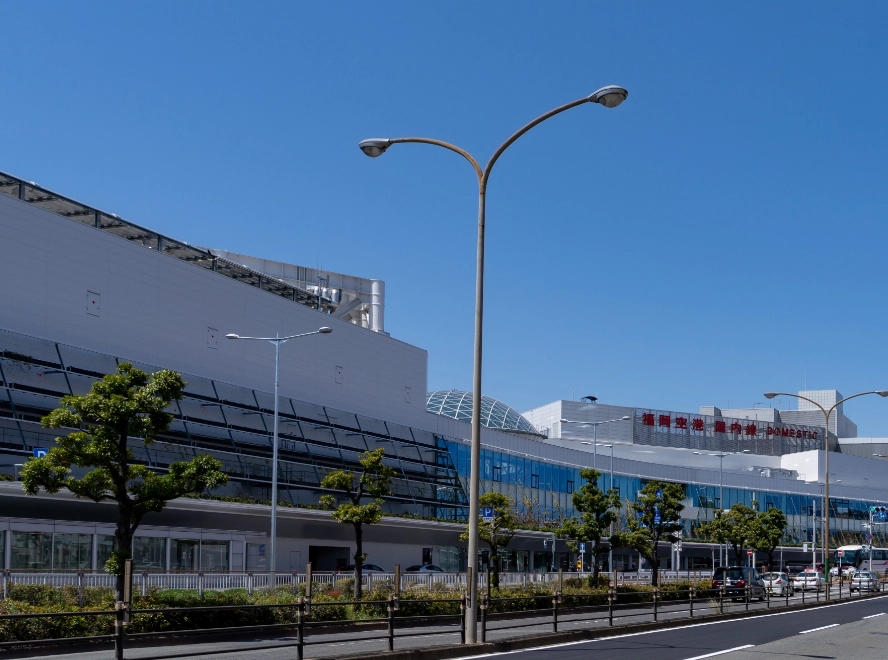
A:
<point x="768" y="532"/>
<point x="373" y="481"/>
<point x="499" y="533"/>
<point x="654" y="518"/>
<point x="6" y="477"/>
<point x="128" y="404"/>
<point x="597" y="509"/>
<point x="736" y="527"/>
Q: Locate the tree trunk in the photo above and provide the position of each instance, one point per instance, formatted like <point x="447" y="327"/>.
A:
<point x="123" y="535"/>
<point x="495" y="564"/>
<point x="655" y="569"/>
<point x="359" y="559"/>
<point x="595" y="550"/>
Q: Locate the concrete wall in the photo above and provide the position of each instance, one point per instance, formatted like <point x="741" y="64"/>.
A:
<point x="161" y="310"/>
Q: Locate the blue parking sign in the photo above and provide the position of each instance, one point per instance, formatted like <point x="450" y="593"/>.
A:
<point x="487" y="514"/>
<point x="40" y="452"/>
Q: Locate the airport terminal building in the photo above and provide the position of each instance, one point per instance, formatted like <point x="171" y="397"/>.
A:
<point x="84" y="290"/>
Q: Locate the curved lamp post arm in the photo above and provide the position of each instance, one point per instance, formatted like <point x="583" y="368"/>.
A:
<point x="879" y="392"/>
<point x="440" y="143"/>
<point x="521" y="131"/>
<point x="771" y="395"/>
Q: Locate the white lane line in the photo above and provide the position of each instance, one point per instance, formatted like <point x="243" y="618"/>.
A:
<point x="873" y="616"/>
<point x="832" y="625"/>
<point x="712" y="655"/>
<point x="662" y="630"/>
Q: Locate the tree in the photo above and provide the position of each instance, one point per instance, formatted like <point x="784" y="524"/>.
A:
<point x="735" y="527"/>
<point x="597" y="509"/>
<point x="130" y="404"/>
<point x="374" y="481"/>
<point x="499" y="533"/>
<point x="768" y="532"/>
<point x="657" y="517"/>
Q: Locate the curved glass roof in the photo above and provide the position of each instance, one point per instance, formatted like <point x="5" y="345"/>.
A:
<point x="494" y="414"/>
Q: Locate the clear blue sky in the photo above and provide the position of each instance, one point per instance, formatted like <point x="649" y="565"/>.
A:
<point x="693" y="247"/>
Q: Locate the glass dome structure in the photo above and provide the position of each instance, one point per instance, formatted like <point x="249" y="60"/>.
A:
<point x="494" y="414"/>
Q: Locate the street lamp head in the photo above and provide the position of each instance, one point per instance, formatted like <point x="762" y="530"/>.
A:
<point x="625" y="417"/>
<point x="882" y="392"/>
<point x="610" y="96"/>
<point x="565" y="421"/>
<point x="375" y="147"/>
<point x="770" y="395"/>
<point x="325" y="330"/>
<point x="232" y="336"/>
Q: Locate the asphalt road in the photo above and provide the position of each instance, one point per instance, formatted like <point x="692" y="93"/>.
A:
<point x="688" y="642"/>
<point x="743" y="639"/>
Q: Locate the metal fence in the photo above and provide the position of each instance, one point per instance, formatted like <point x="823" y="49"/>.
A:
<point x="258" y="580"/>
<point x="392" y="614"/>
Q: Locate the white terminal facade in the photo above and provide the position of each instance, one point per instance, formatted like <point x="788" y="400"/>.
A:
<point x="83" y="290"/>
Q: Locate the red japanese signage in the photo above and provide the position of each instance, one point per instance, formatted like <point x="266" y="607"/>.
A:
<point x="671" y="423"/>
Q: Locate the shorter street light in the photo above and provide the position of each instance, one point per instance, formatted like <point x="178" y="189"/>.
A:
<point x="826" y="413"/>
<point x="595" y="426"/>
<point x="277" y="340"/>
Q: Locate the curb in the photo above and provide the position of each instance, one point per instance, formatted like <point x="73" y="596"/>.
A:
<point x="530" y="642"/>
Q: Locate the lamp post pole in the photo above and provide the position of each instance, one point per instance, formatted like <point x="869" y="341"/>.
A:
<point x="595" y="426"/>
<point x="610" y="552"/>
<point x="610" y="97"/>
<point x="277" y="340"/>
<point x="721" y="499"/>
<point x="826" y="413"/>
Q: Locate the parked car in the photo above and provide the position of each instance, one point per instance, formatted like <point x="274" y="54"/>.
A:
<point x="847" y="570"/>
<point x="424" y="568"/>
<point x="808" y="580"/>
<point x="736" y="579"/>
<point x="777" y="583"/>
<point x="864" y="581"/>
<point x="365" y="568"/>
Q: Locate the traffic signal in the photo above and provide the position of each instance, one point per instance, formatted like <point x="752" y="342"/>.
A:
<point x="878" y="512"/>
<point x="580" y="565"/>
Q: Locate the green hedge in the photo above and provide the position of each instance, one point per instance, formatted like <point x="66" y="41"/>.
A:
<point x="326" y="606"/>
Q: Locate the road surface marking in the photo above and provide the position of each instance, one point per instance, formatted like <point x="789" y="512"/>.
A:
<point x="872" y="616"/>
<point x="662" y="630"/>
<point x="711" y="655"/>
<point x="832" y="625"/>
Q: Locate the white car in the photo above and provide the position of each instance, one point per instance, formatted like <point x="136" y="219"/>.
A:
<point x="864" y="581"/>
<point x="808" y="580"/>
<point x="847" y="570"/>
<point x="777" y="583"/>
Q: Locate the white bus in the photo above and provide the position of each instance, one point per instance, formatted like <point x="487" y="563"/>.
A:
<point x="858" y="557"/>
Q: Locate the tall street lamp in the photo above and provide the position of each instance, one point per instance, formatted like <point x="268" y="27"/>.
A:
<point x="610" y="552"/>
<point x="826" y="414"/>
<point x="721" y="496"/>
<point x="277" y="340"/>
<point x="595" y="426"/>
<point x="610" y="97"/>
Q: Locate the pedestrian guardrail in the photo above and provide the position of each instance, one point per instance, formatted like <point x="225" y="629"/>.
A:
<point x="388" y="619"/>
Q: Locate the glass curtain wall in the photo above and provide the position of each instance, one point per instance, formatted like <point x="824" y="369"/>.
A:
<point x="149" y="554"/>
<point x="31" y="550"/>
<point x="214" y="555"/>
<point x="72" y="551"/>
<point x="184" y="555"/>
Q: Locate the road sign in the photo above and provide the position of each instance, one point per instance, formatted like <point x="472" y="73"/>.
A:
<point x="804" y="547"/>
<point x="487" y="514"/>
<point x="869" y="537"/>
<point x="749" y="553"/>
<point x="840" y="553"/>
<point x="582" y="547"/>
<point x="40" y="452"/>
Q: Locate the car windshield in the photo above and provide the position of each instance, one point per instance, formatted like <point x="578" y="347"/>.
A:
<point x="862" y="575"/>
<point x="772" y="576"/>
<point x="731" y="573"/>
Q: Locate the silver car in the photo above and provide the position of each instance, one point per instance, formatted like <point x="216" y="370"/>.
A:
<point x="777" y="583"/>
<point x="808" y="580"/>
<point x="864" y="581"/>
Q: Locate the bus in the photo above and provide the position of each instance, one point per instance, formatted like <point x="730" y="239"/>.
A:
<point x="858" y="557"/>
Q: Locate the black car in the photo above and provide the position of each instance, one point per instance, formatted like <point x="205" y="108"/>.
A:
<point x="736" y="579"/>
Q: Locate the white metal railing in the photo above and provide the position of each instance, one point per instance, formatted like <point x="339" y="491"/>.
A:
<point x="257" y="580"/>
